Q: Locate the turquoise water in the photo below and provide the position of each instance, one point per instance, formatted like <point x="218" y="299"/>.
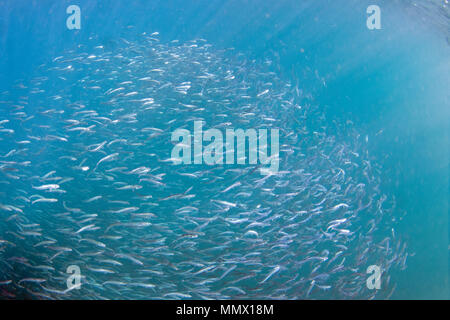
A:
<point x="384" y="93"/>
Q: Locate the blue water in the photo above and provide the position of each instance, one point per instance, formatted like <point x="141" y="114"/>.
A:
<point x="391" y="84"/>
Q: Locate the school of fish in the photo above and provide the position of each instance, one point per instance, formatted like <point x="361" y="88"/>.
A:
<point x="86" y="180"/>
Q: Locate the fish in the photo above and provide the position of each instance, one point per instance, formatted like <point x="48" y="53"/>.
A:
<point x="275" y="270"/>
<point x="46" y="187"/>
<point x="44" y="200"/>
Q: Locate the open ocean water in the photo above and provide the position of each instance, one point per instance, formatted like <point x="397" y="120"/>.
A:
<point x="88" y="185"/>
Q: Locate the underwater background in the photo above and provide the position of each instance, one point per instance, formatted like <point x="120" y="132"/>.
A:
<point x="384" y="92"/>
